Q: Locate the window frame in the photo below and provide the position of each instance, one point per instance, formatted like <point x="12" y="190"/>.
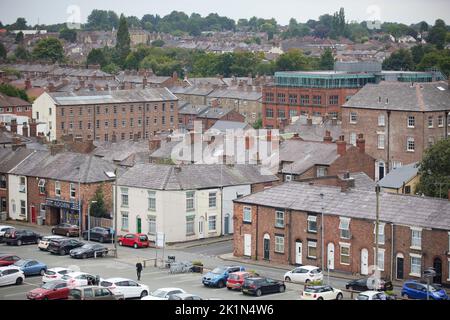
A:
<point x="348" y="255"/>
<point x="312" y="219"/>
<point x="279" y="244"/>
<point x="245" y="211"/>
<point x="311" y="244"/>
<point x="342" y="221"/>
<point x="280" y="222"/>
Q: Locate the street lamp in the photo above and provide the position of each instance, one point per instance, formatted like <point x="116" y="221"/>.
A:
<point x="114" y="175"/>
<point x="377" y="223"/>
<point x="80" y="213"/>
<point x="89" y="219"/>
<point x="429" y="274"/>
<point x="322" y="227"/>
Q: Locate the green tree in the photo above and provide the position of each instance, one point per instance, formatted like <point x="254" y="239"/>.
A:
<point x="98" y="209"/>
<point x="21" y="53"/>
<point x="102" y="20"/>
<point x="19" y="37"/>
<point x="435" y="170"/>
<point x="258" y="124"/>
<point x="293" y="60"/>
<point x="436" y="59"/>
<point x="49" y="49"/>
<point x="96" y="56"/>
<point x="3" y="52"/>
<point x="399" y="60"/>
<point x="123" y="45"/>
<point x="12" y="91"/>
<point x="158" y="43"/>
<point x="326" y="60"/>
<point x="20" y="24"/>
<point x="438" y="34"/>
<point x="68" y="35"/>
<point x="111" y="68"/>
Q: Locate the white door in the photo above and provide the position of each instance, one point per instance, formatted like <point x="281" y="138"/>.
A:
<point x="201" y="228"/>
<point x="298" y="253"/>
<point x="364" y="262"/>
<point x="331" y="256"/>
<point x="248" y="245"/>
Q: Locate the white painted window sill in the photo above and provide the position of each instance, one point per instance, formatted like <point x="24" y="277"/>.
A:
<point x="415" y="275"/>
<point x="416" y="248"/>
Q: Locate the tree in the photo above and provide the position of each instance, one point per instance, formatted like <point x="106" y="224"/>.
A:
<point x="19" y="38"/>
<point x="399" y="60"/>
<point x="293" y="60"/>
<point x="102" y="20"/>
<point x="436" y="59"/>
<point x="98" y="209"/>
<point x="12" y="91"/>
<point x="68" y="35"/>
<point x="435" y="170"/>
<point x="49" y="49"/>
<point x="20" y="24"/>
<point x="123" y="45"/>
<point x="21" y="53"/>
<point x="326" y="60"/>
<point x="3" y="52"/>
<point x="158" y="43"/>
<point x="96" y="56"/>
<point x="258" y="124"/>
<point x="111" y="68"/>
<point x="438" y="34"/>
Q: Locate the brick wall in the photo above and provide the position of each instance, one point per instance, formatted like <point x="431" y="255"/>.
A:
<point x="353" y="161"/>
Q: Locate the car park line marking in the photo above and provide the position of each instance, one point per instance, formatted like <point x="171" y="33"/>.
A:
<point x="187" y="280"/>
<point x="24" y="294"/>
<point x="171" y="276"/>
<point x="269" y="296"/>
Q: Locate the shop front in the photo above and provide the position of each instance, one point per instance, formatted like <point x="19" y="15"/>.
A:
<point x="60" y="211"/>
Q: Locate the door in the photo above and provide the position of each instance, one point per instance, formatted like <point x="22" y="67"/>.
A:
<point x="201" y="228"/>
<point x="33" y="214"/>
<point x="298" y="253"/>
<point x="248" y="245"/>
<point x="400" y="262"/>
<point x="381" y="170"/>
<point x="266" y="247"/>
<point x="330" y="256"/>
<point x="364" y="262"/>
<point x="139" y="225"/>
<point x="437" y="265"/>
<point x="227" y="224"/>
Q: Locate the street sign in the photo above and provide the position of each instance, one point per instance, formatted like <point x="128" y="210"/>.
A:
<point x="160" y="240"/>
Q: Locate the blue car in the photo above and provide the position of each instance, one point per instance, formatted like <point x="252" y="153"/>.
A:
<point x="219" y="276"/>
<point x="31" y="267"/>
<point x="417" y="290"/>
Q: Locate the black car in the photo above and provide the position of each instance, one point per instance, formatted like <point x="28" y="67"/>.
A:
<point x="260" y="286"/>
<point x="366" y="284"/>
<point x="98" y="234"/>
<point x="63" y="246"/>
<point x="20" y="237"/>
<point x="88" y="251"/>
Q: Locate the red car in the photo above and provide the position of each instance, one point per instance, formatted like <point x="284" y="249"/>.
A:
<point x="236" y="280"/>
<point x="136" y="240"/>
<point x="8" y="259"/>
<point x="53" y="290"/>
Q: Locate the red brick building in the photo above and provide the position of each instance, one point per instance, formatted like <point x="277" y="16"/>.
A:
<point x="210" y="116"/>
<point x="283" y="225"/>
<point x="15" y="106"/>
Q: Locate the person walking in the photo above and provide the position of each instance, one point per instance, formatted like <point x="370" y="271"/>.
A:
<point x="139" y="270"/>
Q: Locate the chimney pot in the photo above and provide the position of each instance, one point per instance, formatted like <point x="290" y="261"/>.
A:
<point x="328" y="138"/>
<point x="341" y="146"/>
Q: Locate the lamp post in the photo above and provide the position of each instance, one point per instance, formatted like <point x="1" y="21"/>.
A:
<point x="114" y="175"/>
<point x="429" y="274"/>
<point x="89" y="219"/>
<point x="377" y="223"/>
<point x="322" y="230"/>
<point x="80" y="213"/>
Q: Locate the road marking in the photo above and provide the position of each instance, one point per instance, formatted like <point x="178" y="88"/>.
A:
<point x="171" y="276"/>
<point x="15" y="294"/>
<point x="268" y="297"/>
<point x="187" y="280"/>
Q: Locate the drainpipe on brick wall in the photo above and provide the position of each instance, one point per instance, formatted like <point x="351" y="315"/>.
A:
<point x="388" y="142"/>
<point x="290" y="238"/>
<point x="392" y="251"/>
<point x="256" y="240"/>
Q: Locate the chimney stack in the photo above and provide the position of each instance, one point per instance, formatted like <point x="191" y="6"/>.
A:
<point x="347" y="182"/>
<point x="13" y="126"/>
<point x="328" y="138"/>
<point x="341" y="146"/>
<point x="144" y="82"/>
<point x="25" y="130"/>
<point x="51" y="87"/>
<point x="33" y="128"/>
<point x="361" y="143"/>
<point x="28" y="84"/>
<point x="154" y="144"/>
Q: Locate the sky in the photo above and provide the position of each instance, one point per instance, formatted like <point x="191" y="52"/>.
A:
<point x="404" y="11"/>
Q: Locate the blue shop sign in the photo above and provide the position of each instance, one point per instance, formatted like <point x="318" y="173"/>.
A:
<point x="62" y="204"/>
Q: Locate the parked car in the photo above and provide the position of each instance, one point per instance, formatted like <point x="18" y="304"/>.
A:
<point x="3" y="230"/>
<point x="185" y="296"/>
<point x="53" y="290"/>
<point x="236" y="280"/>
<point x="219" y="276"/>
<point x="54" y="274"/>
<point x="321" y="293"/>
<point x="366" y="284"/>
<point x="11" y="275"/>
<point x="31" y="267"/>
<point x="98" y="234"/>
<point x="66" y="229"/>
<point x="415" y="290"/>
<point x="129" y="288"/>
<point x="259" y="286"/>
<point x="45" y="241"/>
<point x="76" y="279"/>
<point x="89" y="251"/>
<point x="93" y="293"/>
<point x="374" y="295"/>
<point x="64" y="246"/>
<point x="163" y="294"/>
<point x="8" y="259"/>
<point x="304" y="274"/>
<point x="20" y="237"/>
<point x="136" y="240"/>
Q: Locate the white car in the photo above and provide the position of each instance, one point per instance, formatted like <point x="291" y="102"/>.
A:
<point x="127" y="287"/>
<point x="304" y="274"/>
<point x="55" y="274"/>
<point x="372" y="295"/>
<point x="78" y="279"/>
<point x="163" y="294"/>
<point x="3" y="229"/>
<point x="45" y="241"/>
<point x="11" y="275"/>
<point x="322" y="293"/>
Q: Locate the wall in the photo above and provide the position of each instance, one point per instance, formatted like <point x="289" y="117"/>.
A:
<point x="230" y="194"/>
<point x="15" y="197"/>
<point x="42" y="105"/>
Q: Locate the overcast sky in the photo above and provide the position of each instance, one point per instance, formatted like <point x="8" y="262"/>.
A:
<point x="405" y="11"/>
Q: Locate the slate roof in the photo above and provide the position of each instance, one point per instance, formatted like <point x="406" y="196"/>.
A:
<point x="223" y="125"/>
<point x="314" y="132"/>
<point x="362" y="181"/>
<point x="191" y="177"/>
<point x="6" y="101"/>
<point x="401" y="96"/>
<point x="194" y="90"/>
<point x="63" y="167"/>
<point x="236" y="94"/>
<point x="9" y="158"/>
<point x="397" y="177"/>
<point x="394" y="208"/>
<point x="191" y="109"/>
<point x="116" y="96"/>
<point x="214" y="113"/>
<point x="119" y="151"/>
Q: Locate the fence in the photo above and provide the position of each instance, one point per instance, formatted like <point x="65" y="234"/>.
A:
<point x="100" y="222"/>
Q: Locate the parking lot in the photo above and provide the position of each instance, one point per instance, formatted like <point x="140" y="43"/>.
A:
<point x="108" y="267"/>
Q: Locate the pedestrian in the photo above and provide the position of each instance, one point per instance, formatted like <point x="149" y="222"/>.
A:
<point x="139" y="270"/>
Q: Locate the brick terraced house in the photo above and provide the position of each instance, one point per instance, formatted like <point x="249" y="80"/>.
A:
<point x="283" y="225"/>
